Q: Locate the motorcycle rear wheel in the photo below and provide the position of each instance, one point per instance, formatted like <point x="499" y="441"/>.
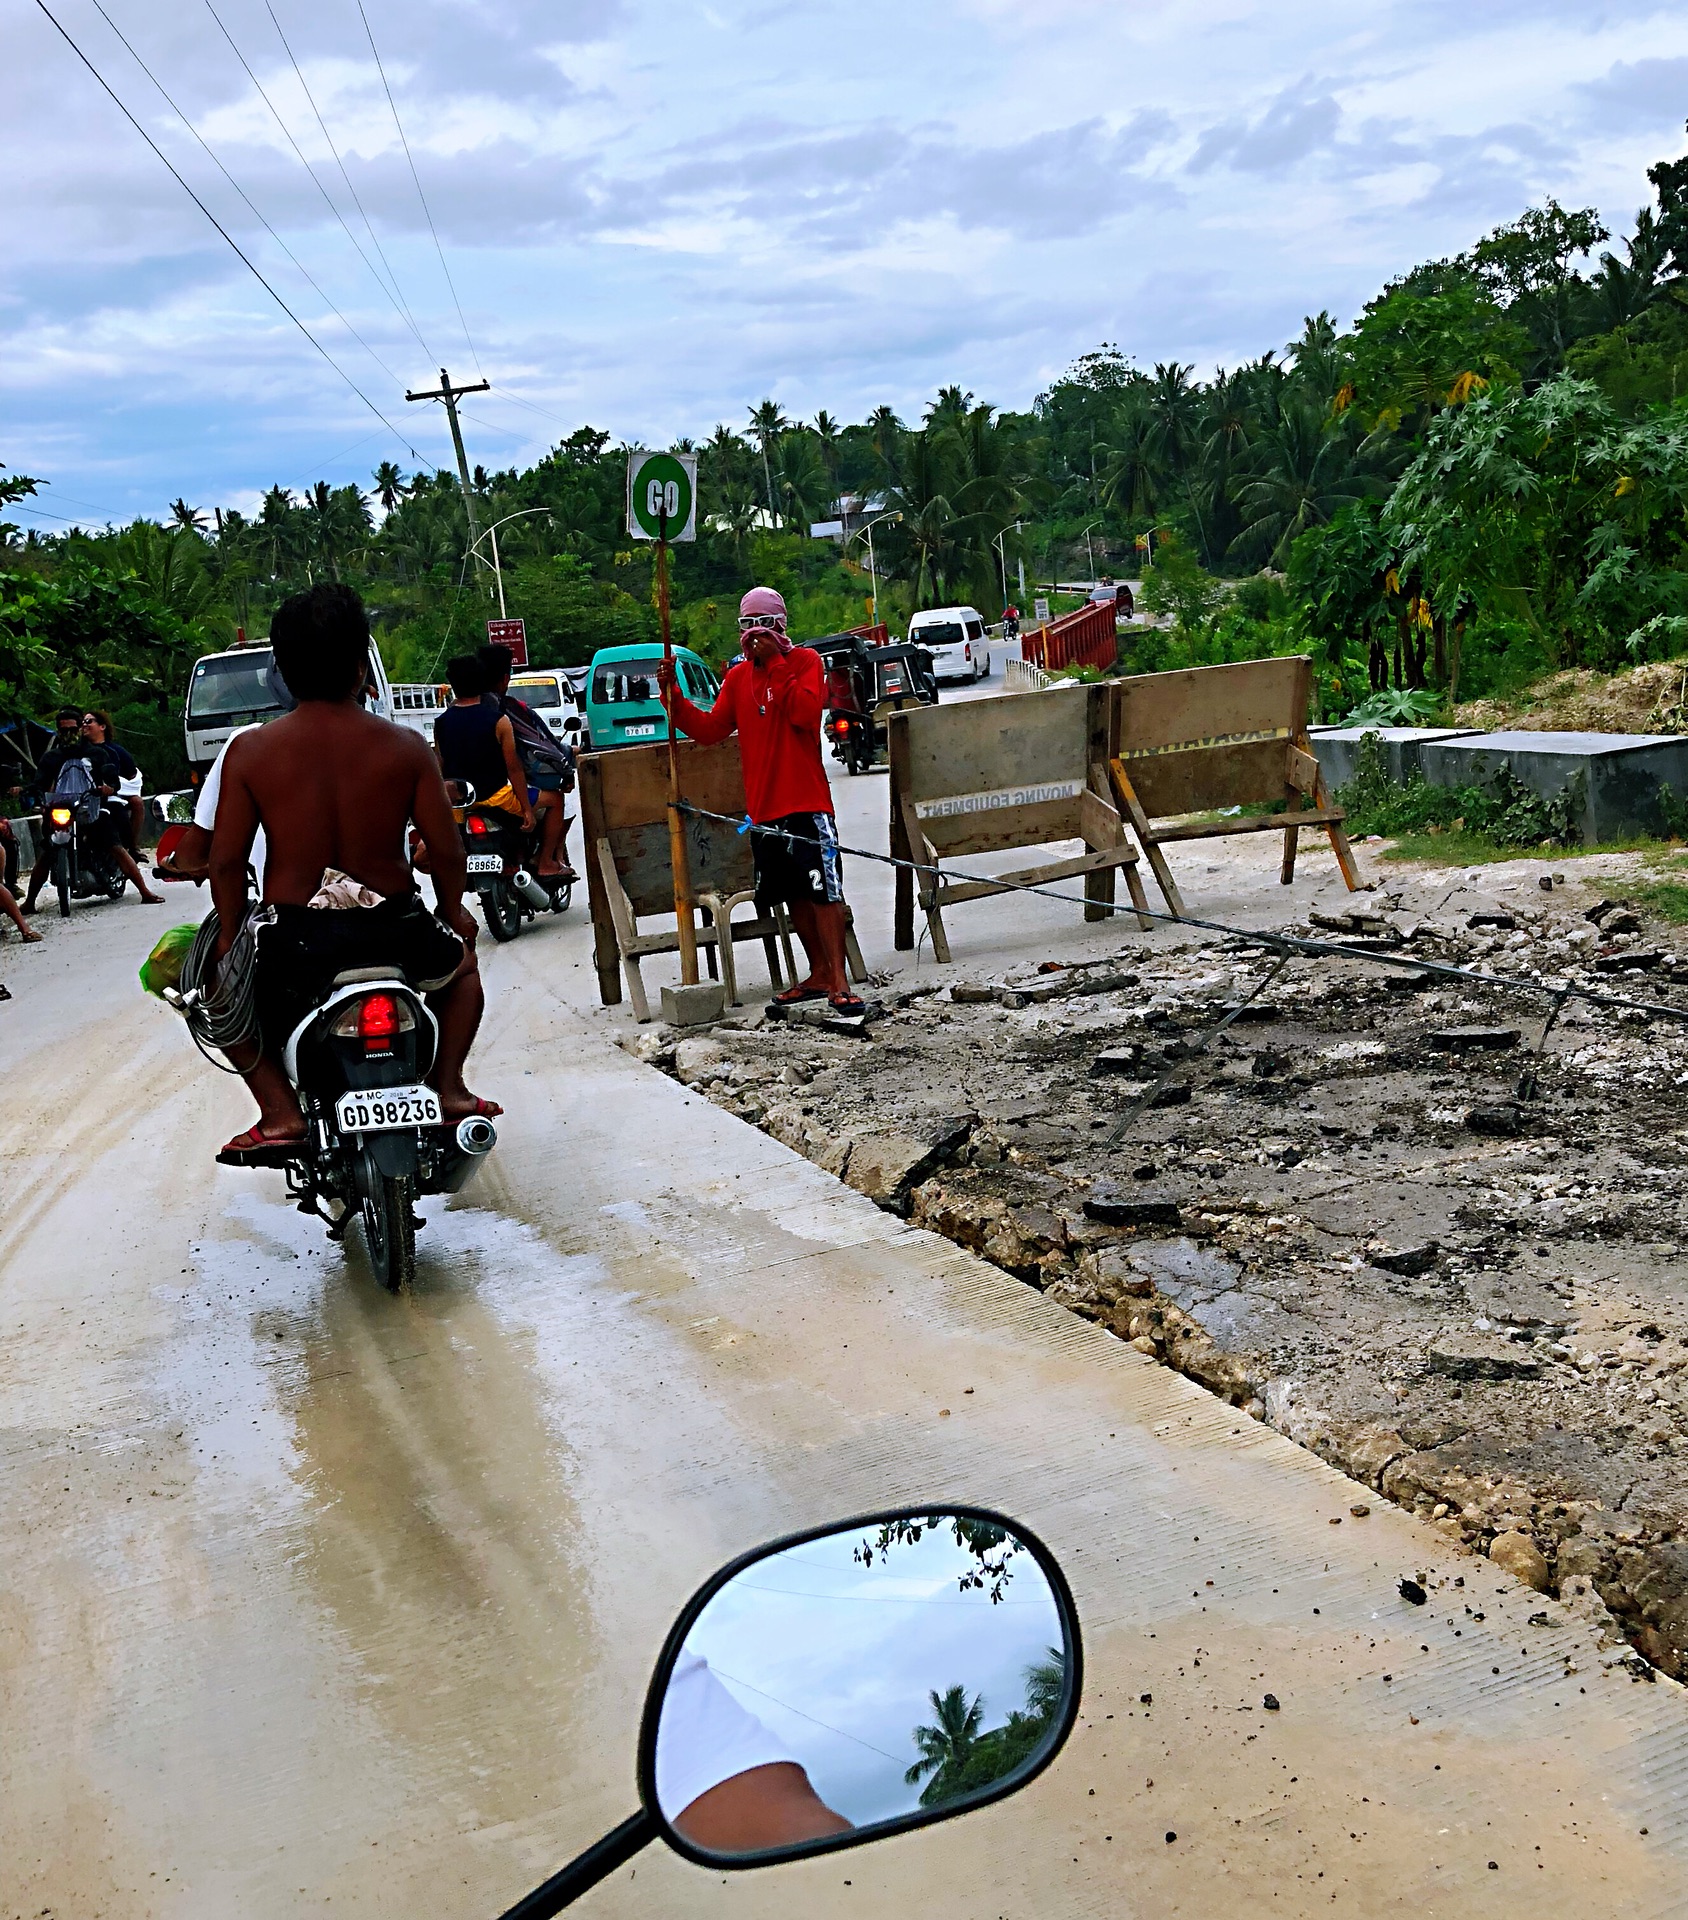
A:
<point x="115" y="884"/>
<point x="501" y="908"/>
<point x="389" y="1229"/>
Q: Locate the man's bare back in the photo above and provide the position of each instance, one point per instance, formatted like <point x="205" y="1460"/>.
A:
<point x="333" y="786"/>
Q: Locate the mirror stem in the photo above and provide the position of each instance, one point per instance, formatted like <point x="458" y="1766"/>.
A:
<point x="597" y="1863"/>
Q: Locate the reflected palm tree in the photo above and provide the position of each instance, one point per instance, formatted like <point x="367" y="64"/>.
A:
<point x="944" y="1748"/>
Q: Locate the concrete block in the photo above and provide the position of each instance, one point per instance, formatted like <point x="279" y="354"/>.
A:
<point x="694" y="1006"/>
<point x="1337" y="749"/>
<point x="1620" y="773"/>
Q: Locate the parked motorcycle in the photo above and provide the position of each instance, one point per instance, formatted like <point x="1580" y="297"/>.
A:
<point x="500" y="860"/>
<point x="375" y="1137"/>
<point x="82" y="826"/>
<point x="788" y="1715"/>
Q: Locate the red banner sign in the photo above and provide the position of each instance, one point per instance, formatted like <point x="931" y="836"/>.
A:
<point x="511" y="634"/>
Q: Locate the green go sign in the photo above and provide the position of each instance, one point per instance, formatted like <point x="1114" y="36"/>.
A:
<point x="662" y="495"/>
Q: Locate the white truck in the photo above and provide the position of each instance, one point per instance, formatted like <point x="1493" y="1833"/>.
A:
<point x="231" y="690"/>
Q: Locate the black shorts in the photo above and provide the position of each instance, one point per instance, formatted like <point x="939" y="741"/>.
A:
<point x="306" y="947"/>
<point x="797" y="859"/>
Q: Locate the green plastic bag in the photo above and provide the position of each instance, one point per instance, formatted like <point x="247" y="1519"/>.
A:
<point x="163" y="966"/>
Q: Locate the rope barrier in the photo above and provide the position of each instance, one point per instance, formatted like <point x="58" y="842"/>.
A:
<point x="1284" y="944"/>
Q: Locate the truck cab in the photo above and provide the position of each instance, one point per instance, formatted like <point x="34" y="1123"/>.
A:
<point x="231" y="690"/>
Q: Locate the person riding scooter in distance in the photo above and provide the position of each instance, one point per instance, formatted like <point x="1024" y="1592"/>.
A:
<point x="544" y="759"/>
<point x="476" y="745"/>
<point x="773" y="700"/>
<point x="70" y="744"/>
<point x="334" y="789"/>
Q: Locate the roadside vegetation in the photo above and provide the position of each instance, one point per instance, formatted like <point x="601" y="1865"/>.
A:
<point x="1482" y="481"/>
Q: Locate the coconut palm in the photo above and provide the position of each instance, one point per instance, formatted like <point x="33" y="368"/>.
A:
<point x="389" y="485"/>
<point x="767" y="423"/>
<point x="1306" y="467"/>
<point x="189" y="519"/>
<point x="945" y="1746"/>
<point x="830" y="436"/>
<point x="885" y="432"/>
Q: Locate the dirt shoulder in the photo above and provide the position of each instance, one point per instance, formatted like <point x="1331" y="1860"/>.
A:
<point x="1340" y="1216"/>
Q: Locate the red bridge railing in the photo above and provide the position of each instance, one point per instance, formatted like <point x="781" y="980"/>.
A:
<point x="1084" y="638"/>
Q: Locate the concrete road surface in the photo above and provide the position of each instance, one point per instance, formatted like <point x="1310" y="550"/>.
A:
<point x="313" y="1600"/>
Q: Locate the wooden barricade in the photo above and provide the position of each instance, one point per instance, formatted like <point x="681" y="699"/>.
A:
<point x="1210" y="737"/>
<point x="984" y="775"/>
<point x="629" y="873"/>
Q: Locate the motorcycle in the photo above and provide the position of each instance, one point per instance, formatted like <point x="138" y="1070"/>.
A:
<point x="500" y="857"/>
<point x="375" y="1136"/>
<point x="774" y="1719"/>
<point x="82" y="827"/>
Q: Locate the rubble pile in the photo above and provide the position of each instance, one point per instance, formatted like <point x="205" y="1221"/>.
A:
<point x="1369" y="1213"/>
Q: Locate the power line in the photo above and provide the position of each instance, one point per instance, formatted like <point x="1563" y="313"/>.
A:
<point x="375" y="239"/>
<point x="233" y="182"/>
<point x="275" y="114"/>
<point x="397" y="122"/>
<point x="234" y="245"/>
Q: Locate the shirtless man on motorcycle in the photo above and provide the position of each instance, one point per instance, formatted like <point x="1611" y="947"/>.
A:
<point x="334" y="787"/>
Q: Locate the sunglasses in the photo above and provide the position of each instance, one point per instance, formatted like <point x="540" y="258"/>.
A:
<point x="767" y="622"/>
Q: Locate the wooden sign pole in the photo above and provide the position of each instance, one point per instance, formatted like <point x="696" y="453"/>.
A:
<point x="676" y="824"/>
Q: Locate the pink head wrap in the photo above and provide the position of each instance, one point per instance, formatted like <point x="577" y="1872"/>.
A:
<point x="770" y="605"/>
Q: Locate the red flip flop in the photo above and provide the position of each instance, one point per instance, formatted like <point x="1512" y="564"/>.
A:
<point x="255" y="1148"/>
<point x="795" y="996"/>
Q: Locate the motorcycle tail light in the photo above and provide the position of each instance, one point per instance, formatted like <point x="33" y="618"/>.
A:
<point x="476" y="824"/>
<point x="841" y="727"/>
<point x="377" y="1019"/>
<point x="61" y="816"/>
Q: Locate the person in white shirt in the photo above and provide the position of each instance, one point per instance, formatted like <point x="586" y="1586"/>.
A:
<point x="723" y="1779"/>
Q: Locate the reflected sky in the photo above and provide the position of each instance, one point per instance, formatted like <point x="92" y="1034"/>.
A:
<point x="839" y="1660"/>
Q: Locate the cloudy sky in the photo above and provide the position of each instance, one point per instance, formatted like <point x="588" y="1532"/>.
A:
<point x="653" y="215"/>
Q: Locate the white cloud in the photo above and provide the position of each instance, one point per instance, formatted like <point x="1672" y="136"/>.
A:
<point x="656" y="214"/>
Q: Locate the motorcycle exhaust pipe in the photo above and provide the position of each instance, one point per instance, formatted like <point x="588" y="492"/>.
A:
<point x="476" y="1135"/>
<point x="530" y="889"/>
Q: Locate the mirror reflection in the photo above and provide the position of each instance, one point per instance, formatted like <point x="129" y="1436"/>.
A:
<point x="871" y="1674"/>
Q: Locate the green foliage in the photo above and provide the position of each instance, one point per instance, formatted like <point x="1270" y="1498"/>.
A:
<point x="1394" y="707"/>
<point x="1504" y="812"/>
<point x="962" y="1760"/>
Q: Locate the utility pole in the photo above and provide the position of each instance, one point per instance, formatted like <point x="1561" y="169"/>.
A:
<point x="449" y="394"/>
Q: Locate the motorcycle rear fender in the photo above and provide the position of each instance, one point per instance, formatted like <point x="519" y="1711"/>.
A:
<point x="394" y="1153"/>
<point x="394" y="983"/>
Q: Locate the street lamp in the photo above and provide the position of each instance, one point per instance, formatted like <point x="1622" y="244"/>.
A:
<point x="873" y="577"/>
<point x="492" y="535"/>
<point x="1090" y="551"/>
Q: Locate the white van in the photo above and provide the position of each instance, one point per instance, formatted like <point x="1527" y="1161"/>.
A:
<point x="955" y="638"/>
<point x="228" y="691"/>
<point x="550" y="691"/>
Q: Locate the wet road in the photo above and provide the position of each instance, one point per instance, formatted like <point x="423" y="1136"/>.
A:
<point x="313" y="1600"/>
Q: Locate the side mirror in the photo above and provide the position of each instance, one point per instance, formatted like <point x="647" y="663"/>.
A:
<point x="845" y="1684"/>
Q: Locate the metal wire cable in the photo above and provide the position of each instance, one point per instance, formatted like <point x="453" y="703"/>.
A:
<point x="234" y="245"/>
<point x="233" y="182"/>
<point x="328" y="200"/>
<point x="427" y="214"/>
<point x="375" y="238"/>
<point x="1281" y="943"/>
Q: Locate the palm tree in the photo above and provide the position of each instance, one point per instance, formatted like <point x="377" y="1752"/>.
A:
<point x="802" y="481"/>
<point x="189" y="519"/>
<point x="767" y="423"/>
<point x="829" y="434"/>
<point x="945" y="1747"/>
<point x="389" y="485"/>
<point x="1306" y="466"/>
<point x="885" y="431"/>
<point x="949" y="408"/>
<point x="1130" y="478"/>
<point x="1046" y="1680"/>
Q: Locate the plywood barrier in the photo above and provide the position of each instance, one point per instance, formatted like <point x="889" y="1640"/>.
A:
<point x="1206" y="738"/>
<point x="986" y="775"/>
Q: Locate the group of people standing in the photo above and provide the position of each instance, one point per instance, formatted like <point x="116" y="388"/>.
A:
<point x="85" y="735"/>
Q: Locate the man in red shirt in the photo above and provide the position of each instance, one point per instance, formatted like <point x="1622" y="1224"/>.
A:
<point x="772" y="700"/>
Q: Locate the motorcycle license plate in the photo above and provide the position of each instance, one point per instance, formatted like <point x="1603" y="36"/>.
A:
<point x="386" y="1108"/>
<point x="646" y="732"/>
<point x="486" y="863"/>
